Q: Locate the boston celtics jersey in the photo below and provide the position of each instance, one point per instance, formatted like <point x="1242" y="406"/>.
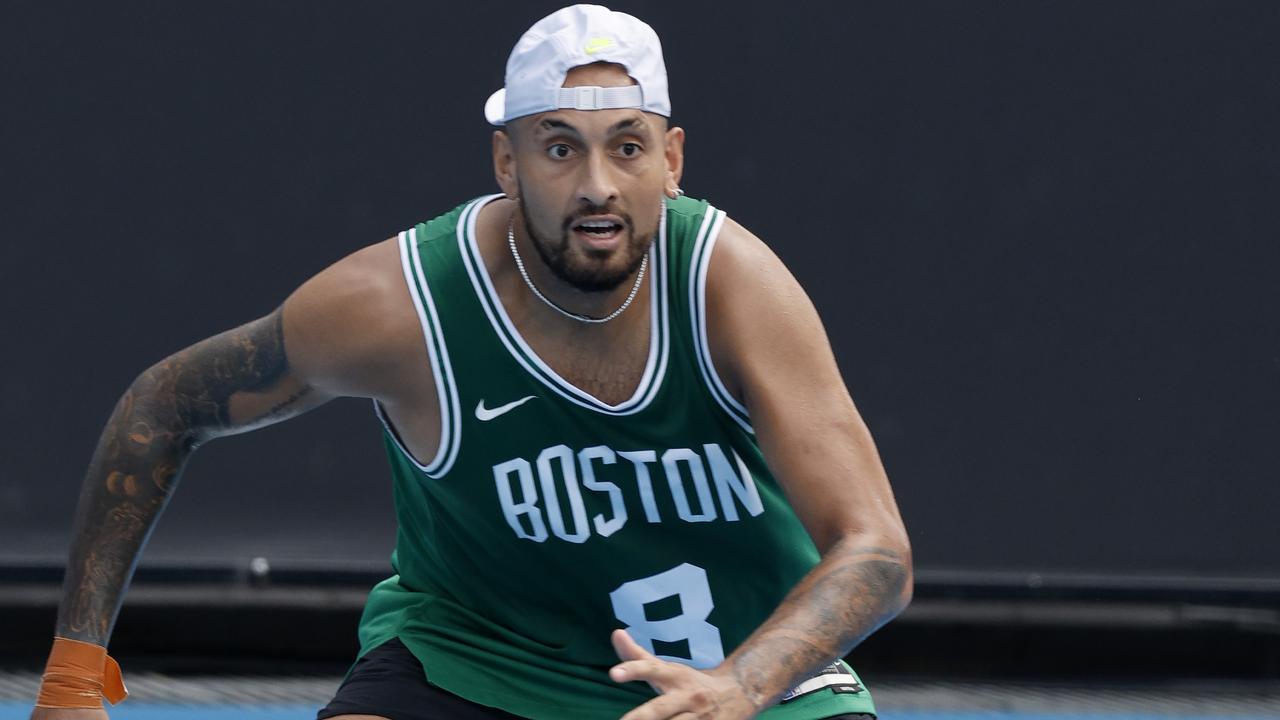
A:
<point x="549" y="518"/>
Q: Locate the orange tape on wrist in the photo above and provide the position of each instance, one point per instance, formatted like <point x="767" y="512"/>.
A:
<point x="79" y="675"/>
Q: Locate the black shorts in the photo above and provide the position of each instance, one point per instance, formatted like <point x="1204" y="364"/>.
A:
<point x="389" y="681"/>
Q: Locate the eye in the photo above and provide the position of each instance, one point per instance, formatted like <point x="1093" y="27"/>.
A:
<point x="629" y="149"/>
<point x="559" y="151"/>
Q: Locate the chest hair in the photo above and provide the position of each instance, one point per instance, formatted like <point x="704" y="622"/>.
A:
<point x="606" y="366"/>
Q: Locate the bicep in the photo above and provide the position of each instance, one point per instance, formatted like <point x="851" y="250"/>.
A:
<point x="328" y="339"/>
<point x="769" y="342"/>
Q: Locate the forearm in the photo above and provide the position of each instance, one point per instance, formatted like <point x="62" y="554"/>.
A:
<point x="228" y="383"/>
<point x="860" y="585"/>
<point x="134" y="469"/>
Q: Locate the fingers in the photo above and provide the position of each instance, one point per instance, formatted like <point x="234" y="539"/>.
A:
<point x="684" y="693"/>
<point x="666" y="707"/>
<point x="627" y="648"/>
<point x="640" y="665"/>
<point x="655" y="672"/>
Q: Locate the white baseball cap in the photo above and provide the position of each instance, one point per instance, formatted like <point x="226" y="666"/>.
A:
<point x="574" y="36"/>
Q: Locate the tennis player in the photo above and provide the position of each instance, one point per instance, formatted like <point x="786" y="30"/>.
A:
<point x="629" y="480"/>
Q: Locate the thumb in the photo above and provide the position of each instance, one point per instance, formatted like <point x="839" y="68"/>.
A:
<point x="627" y="648"/>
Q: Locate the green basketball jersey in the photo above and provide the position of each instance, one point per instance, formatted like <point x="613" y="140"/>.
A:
<point x="548" y="518"/>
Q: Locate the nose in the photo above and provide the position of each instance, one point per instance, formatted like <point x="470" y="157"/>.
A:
<point x="597" y="186"/>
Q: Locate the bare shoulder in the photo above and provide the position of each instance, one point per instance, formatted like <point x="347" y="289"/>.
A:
<point x="741" y="262"/>
<point x="350" y="327"/>
<point x="759" y="317"/>
<point x="767" y="339"/>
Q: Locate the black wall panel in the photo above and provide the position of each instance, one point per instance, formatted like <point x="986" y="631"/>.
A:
<point x="1043" y="237"/>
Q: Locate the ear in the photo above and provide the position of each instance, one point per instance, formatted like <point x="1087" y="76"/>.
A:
<point x="675" y="158"/>
<point x="504" y="163"/>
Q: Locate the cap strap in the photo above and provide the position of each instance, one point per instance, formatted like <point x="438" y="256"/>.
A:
<point x="591" y="97"/>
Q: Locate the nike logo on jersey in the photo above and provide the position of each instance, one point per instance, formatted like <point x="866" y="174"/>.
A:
<point x="484" y="414"/>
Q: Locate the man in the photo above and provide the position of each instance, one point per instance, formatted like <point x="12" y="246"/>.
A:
<point x="629" y="480"/>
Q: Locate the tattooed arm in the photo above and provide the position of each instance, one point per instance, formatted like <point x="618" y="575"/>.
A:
<point x="779" y="362"/>
<point x="337" y="335"/>
<point x="770" y="349"/>
<point x="168" y="411"/>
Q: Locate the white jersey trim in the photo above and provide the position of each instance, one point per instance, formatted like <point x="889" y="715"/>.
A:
<point x="703" y="247"/>
<point x="659" y="325"/>
<point x="441" y="368"/>
<point x="450" y="415"/>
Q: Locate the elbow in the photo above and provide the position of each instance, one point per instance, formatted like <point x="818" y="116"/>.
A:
<point x="908" y="584"/>
<point x="893" y="537"/>
<point x="149" y="416"/>
<point x="890" y="572"/>
<point x="899" y="574"/>
<point x="902" y="546"/>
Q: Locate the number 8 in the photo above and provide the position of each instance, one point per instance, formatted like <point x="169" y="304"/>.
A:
<point x="689" y="583"/>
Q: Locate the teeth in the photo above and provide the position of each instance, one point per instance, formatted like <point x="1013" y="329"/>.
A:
<point x="596" y="224"/>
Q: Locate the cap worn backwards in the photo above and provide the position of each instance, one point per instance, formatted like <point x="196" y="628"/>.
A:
<point x="574" y="36"/>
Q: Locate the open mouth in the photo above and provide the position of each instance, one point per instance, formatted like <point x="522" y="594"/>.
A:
<point x="599" y="229"/>
<point x="603" y="235"/>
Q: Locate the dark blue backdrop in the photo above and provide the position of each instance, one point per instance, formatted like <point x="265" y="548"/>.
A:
<point x="1043" y="236"/>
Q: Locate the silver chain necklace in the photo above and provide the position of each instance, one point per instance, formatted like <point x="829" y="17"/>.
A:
<point x="511" y="242"/>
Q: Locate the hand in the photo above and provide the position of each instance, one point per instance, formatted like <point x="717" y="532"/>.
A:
<point x="68" y="714"/>
<point x="684" y="693"/>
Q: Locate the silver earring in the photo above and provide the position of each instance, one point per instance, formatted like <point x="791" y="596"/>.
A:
<point x="675" y="193"/>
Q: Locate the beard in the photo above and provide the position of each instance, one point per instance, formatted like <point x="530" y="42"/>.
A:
<point x="585" y="273"/>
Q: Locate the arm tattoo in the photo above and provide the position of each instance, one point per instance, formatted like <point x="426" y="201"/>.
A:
<point x="853" y="591"/>
<point x="166" y="413"/>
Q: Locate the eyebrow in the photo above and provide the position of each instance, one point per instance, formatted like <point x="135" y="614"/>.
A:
<point x="631" y="123"/>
